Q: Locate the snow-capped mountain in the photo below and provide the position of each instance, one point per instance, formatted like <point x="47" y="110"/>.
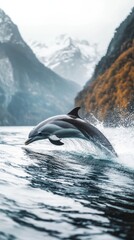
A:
<point x="29" y="91"/>
<point x="8" y="30"/>
<point x="71" y="58"/>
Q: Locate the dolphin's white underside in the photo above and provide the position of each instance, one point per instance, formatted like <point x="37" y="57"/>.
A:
<point x="69" y="126"/>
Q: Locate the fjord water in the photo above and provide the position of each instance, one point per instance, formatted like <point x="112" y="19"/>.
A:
<point x="68" y="192"/>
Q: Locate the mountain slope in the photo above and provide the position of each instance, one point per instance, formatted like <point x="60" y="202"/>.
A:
<point x="109" y="95"/>
<point x="29" y="91"/>
<point x="69" y="57"/>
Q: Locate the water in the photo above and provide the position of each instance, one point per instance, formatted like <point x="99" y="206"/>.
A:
<point x="67" y="192"/>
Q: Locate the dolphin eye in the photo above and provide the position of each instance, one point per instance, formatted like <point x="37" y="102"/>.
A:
<point x="40" y="134"/>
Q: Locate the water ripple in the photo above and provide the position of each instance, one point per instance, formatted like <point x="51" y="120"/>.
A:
<point x="64" y="193"/>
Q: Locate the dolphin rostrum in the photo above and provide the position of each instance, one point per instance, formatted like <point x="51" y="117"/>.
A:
<point x="69" y="126"/>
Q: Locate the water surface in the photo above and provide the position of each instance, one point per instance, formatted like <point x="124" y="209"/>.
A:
<point x="66" y="192"/>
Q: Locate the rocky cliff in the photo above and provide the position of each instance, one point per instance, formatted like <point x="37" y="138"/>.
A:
<point x="109" y="95"/>
<point x="29" y="91"/>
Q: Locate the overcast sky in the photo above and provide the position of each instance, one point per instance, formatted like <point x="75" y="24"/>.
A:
<point x="43" y="20"/>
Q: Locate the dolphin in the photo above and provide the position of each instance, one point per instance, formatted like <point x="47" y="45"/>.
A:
<point x="69" y="126"/>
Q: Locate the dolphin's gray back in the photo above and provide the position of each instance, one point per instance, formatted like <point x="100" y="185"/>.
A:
<point x="42" y="125"/>
<point x="67" y="126"/>
<point x="91" y="133"/>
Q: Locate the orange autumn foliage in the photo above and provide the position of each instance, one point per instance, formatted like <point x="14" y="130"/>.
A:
<point x="112" y="91"/>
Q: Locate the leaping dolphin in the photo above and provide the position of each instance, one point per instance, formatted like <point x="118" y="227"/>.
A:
<point x="69" y="126"/>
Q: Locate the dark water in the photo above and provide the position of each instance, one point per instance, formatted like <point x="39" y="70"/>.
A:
<point x="70" y="192"/>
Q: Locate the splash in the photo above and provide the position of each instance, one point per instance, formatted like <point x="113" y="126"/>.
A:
<point x="122" y="140"/>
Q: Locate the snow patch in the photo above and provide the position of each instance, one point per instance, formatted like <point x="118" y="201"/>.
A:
<point x="71" y="58"/>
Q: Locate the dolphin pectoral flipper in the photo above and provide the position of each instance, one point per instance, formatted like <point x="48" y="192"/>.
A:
<point x="55" y="140"/>
<point x="70" y="126"/>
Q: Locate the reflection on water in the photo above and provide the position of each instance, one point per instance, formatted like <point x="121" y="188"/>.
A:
<point x="58" y="193"/>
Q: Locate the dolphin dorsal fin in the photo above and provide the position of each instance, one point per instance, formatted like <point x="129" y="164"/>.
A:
<point x="74" y="112"/>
